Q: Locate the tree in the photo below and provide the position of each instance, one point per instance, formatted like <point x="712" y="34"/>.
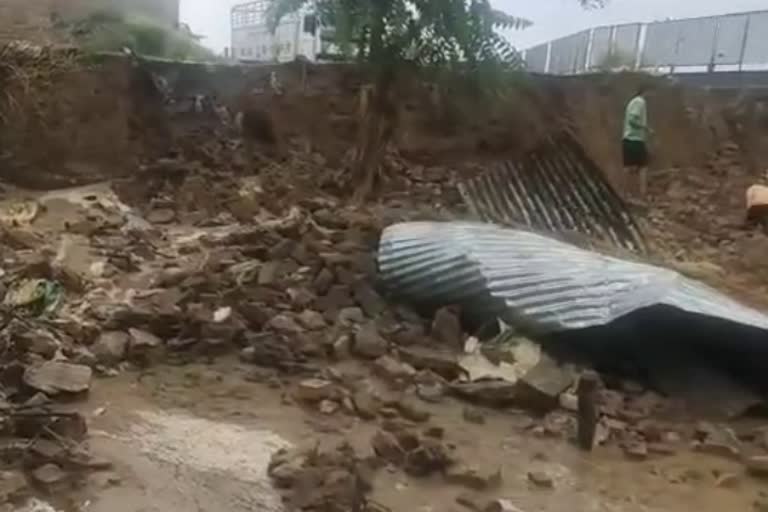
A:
<point x="397" y="37"/>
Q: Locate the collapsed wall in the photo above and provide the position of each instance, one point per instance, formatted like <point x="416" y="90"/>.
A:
<point x="98" y="122"/>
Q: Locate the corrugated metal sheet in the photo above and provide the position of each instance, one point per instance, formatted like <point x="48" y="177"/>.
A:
<point x="541" y="283"/>
<point x="556" y="188"/>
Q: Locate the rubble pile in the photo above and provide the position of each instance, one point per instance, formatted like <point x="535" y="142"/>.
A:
<point x="696" y="222"/>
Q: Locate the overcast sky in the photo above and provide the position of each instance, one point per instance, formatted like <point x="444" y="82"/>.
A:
<point x="552" y="18"/>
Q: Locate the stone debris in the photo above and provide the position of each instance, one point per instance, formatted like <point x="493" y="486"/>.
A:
<point x="474" y="477"/>
<point x="111" y="347"/>
<point x="369" y="343"/>
<point x="446" y="328"/>
<point x="757" y="465"/>
<point x="322" y="478"/>
<point x="541" y="479"/>
<point x="315" y="390"/>
<point x="54" y="377"/>
<point x="540" y="388"/>
<point x="472" y="415"/>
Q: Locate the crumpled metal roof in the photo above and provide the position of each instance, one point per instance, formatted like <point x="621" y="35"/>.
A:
<point x="556" y="188"/>
<point x="542" y="283"/>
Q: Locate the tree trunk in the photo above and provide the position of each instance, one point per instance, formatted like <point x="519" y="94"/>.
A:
<point x="378" y="118"/>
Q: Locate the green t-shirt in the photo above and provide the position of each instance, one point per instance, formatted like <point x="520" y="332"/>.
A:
<point x="636" y="120"/>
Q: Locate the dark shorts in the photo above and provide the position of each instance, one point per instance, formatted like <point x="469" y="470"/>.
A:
<point x="635" y="153"/>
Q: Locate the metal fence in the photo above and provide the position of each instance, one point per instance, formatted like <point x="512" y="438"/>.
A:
<point x="728" y="42"/>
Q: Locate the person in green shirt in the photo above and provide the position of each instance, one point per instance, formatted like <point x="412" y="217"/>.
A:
<point x="634" y="145"/>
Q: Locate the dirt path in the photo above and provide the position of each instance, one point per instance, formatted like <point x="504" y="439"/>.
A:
<point x="200" y="437"/>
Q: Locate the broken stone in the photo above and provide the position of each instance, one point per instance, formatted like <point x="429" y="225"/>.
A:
<point x="757" y="465"/>
<point x="38" y="341"/>
<point x="328" y="407"/>
<point x="411" y="410"/>
<point x="723" y="443"/>
<point x="286" y="466"/>
<point x="426" y="459"/>
<point x="472" y="415"/>
<point x="13" y="486"/>
<point x="54" y="377"/>
<point x="323" y="281"/>
<point x="315" y="390"/>
<point x="490" y="392"/>
<point x="541" y="387"/>
<point x="501" y="506"/>
<point x="369" y="343"/>
<point x="569" y="402"/>
<point x="443" y="363"/>
<point x="366" y="405"/>
<point x="368" y="299"/>
<point x="312" y="320"/>
<point x="389" y="368"/>
<point x="636" y="450"/>
<point x="446" y="328"/>
<point x="386" y="446"/>
<point x="389" y="413"/>
<point x="161" y="216"/>
<point x="541" y="479"/>
<point x="432" y="393"/>
<point x="473" y="477"/>
<point x="348" y="317"/>
<point x="661" y="448"/>
<point x="268" y="273"/>
<point x="110" y="348"/>
<point x="285" y="324"/>
<point x="49" y="476"/>
<point x="141" y="340"/>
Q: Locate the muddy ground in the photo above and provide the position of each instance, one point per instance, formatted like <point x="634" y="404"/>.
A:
<point x="202" y="307"/>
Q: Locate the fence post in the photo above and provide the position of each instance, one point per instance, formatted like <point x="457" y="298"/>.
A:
<point x="715" y="40"/>
<point x="639" y="46"/>
<point x="744" y="42"/>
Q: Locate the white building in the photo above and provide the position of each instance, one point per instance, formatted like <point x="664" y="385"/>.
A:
<point x="297" y="35"/>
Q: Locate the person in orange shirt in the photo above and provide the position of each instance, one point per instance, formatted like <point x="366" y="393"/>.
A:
<point x="757" y="206"/>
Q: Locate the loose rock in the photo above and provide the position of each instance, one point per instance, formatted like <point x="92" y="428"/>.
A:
<point x="54" y="377"/>
<point x="366" y="405"/>
<point x="386" y="446"/>
<point x="540" y="388"/>
<point x="757" y="465"/>
<point x="312" y="320"/>
<point x="111" y="347"/>
<point x="49" y="476"/>
<point x="369" y="343"/>
<point x="411" y="410"/>
<point x="315" y="390"/>
<point x="474" y="477"/>
<point x="391" y="369"/>
<point x="446" y="328"/>
<point x="472" y="415"/>
<point x="541" y="479"/>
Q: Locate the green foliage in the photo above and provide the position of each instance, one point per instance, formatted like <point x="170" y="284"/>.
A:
<point x="429" y="33"/>
<point x="111" y="31"/>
